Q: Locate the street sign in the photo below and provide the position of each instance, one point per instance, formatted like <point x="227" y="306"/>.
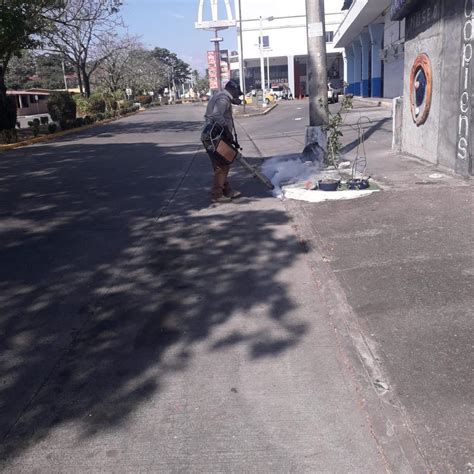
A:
<point x="215" y="23"/>
<point x="212" y="25"/>
<point x="128" y="91"/>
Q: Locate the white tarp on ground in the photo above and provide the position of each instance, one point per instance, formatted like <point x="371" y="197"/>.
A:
<point x="293" y="179"/>
<point x="300" y="194"/>
<point x="289" y="169"/>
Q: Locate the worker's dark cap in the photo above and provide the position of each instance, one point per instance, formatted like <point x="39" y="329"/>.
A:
<point x="234" y="85"/>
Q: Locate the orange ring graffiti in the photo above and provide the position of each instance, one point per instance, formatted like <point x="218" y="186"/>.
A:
<point x="422" y="62"/>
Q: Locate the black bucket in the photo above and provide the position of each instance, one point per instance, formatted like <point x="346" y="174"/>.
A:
<point x="329" y="185"/>
<point x="358" y="184"/>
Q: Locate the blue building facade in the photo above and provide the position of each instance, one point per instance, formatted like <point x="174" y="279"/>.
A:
<point x="373" y="45"/>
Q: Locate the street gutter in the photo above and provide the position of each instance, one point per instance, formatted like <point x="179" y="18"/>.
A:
<point x="265" y="112"/>
<point x="53" y="136"/>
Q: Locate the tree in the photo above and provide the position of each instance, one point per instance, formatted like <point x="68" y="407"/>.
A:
<point x="20" y="70"/>
<point x="49" y="71"/>
<point x="145" y="72"/>
<point x="201" y="84"/>
<point x="84" y="26"/>
<point x="178" y="71"/>
<point x="38" y="70"/>
<point x="114" y="70"/>
<point x="20" y="24"/>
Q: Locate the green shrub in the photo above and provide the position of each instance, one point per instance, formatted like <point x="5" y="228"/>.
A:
<point x="79" y="122"/>
<point x="96" y="104"/>
<point x="88" y="120"/>
<point x="44" y="120"/>
<point x="52" y="127"/>
<point x="8" y="136"/>
<point x="7" y="112"/>
<point x="100" y="116"/>
<point x="35" y="126"/>
<point x="61" y="107"/>
<point x="82" y="104"/>
<point x="124" y="104"/>
<point x="67" y="124"/>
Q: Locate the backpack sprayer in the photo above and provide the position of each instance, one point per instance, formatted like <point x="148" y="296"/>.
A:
<point x="229" y="152"/>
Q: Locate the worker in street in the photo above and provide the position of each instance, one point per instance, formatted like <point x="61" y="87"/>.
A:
<point x="219" y="122"/>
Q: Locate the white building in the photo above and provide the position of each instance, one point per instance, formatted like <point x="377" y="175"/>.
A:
<point x="373" y="48"/>
<point x="282" y="24"/>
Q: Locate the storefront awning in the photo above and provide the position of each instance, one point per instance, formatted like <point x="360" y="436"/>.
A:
<point x="360" y="14"/>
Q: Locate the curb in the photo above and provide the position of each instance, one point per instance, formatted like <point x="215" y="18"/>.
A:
<point x="53" y="136"/>
<point x="265" y="112"/>
<point x="374" y="102"/>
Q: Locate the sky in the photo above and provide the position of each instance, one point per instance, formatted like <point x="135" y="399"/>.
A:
<point x="170" y="24"/>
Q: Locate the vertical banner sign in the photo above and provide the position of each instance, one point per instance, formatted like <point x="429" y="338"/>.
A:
<point x="464" y="142"/>
<point x="212" y="68"/>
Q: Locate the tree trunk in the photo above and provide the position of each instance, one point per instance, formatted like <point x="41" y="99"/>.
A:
<point x="3" y="98"/>
<point x="3" y="87"/>
<point x="87" y="81"/>
<point x="79" y="79"/>
<point x="8" y="110"/>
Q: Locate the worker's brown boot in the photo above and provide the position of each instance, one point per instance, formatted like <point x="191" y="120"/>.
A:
<point x="221" y="199"/>
<point x="232" y="194"/>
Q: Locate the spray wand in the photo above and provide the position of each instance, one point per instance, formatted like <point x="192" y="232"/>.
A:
<point x="245" y="164"/>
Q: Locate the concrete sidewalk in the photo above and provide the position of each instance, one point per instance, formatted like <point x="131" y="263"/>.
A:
<point x="397" y="268"/>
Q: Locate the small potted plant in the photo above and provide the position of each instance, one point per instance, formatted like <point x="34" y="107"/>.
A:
<point x="334" y="144"/>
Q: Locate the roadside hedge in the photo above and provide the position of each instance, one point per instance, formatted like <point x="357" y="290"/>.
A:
<point x="61" y="107"/>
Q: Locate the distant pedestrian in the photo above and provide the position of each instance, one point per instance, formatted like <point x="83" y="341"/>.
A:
<point x="219" y="120"/>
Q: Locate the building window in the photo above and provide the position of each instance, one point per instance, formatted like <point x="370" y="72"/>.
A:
<point x="266" y="41"/>
<point x="329" y="36"/>
<point x="33" y="99"/>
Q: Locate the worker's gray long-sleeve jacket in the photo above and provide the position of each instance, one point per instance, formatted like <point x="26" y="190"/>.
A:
<point x="219" y="109"/>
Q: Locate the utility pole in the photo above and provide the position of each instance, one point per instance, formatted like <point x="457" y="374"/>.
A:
<point x="317" y="79"/>
<point x="241" y="58"/>
<point x="262" y="61"/>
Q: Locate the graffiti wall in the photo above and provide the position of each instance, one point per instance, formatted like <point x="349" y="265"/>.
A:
<point x="464" y="163"/>
<point x="438" y="99"/>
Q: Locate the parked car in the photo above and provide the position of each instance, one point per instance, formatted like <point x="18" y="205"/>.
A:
<point x="281" y="92"/>
<point x="269" y="97"/>
<point x="333" y="94"/>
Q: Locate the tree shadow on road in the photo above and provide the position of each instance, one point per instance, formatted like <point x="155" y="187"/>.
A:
<point x="111" y="279"/>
